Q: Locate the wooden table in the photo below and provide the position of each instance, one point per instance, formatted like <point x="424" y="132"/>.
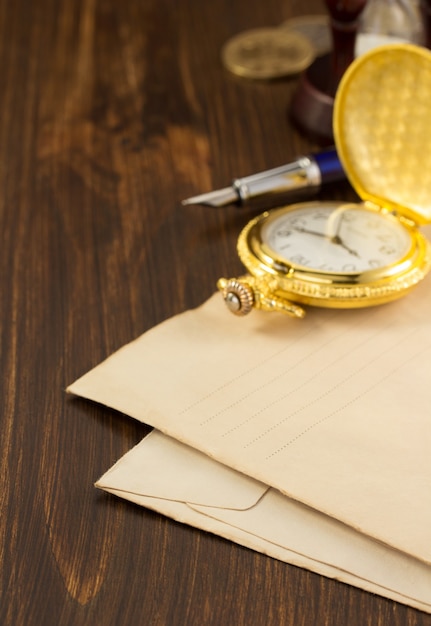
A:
<point x="111" y="113"/>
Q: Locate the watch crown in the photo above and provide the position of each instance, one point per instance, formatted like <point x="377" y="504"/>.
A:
<point x="238" y="295"/>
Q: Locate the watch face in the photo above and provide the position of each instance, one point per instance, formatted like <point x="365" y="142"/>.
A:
<point x="339" y="238"/>
<point x="328" y="254"/>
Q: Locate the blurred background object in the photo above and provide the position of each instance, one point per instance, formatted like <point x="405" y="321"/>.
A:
<point x="389" y="21"/>
<point x="312" y="104"/>
<point x="425" y="7"/>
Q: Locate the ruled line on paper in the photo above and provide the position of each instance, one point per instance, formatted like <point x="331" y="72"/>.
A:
<point x="354" y="399"/>
<point x="303" y="384"/>
<point x="338" y="384"/>
<point x="243" y="374"/>
<point x="273" y="378"/>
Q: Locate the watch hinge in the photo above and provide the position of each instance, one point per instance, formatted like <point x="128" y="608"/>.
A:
<point x="407" y="221"/>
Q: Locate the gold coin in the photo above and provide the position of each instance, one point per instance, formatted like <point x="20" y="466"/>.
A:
<point x="316" y="28"/>
<point x="265" y="53"/>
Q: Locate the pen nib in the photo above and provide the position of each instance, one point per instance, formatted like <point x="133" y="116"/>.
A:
<point x="221" y="197"/>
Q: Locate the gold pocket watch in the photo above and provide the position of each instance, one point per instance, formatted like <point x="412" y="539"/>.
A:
<point x="350" y="255"/>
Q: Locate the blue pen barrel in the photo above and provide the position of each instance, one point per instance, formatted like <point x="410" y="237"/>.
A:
<point x="329" y="165"/>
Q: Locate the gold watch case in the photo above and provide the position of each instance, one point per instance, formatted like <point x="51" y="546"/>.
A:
<point x="383" y="139"/>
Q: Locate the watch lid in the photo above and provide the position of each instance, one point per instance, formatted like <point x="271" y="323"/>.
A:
<point x="382" y="128"/>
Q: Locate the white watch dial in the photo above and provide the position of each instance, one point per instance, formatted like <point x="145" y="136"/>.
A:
<point x="336" y="238"/>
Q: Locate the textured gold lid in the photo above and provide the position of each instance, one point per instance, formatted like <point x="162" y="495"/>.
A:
<point x="382" y="128"/>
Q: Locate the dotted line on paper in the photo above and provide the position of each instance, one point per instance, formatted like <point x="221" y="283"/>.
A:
<point x="292" y="391"/>
<point x="245" y="373"/>
<point x="261" y="387"/>
<point x="340" y="409"/>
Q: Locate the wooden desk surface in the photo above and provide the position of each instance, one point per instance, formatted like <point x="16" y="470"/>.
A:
<point x="111" y="113"/>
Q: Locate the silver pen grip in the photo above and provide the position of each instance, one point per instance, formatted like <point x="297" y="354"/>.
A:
<point x="300" y="174"/>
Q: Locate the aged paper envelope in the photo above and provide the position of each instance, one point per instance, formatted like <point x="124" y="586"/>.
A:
<point x="165" y="475"/>
<point x="332" y="411"/>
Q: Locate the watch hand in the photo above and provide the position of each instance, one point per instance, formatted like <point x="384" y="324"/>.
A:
<point x="337" y="232"/>
<point x="338" y="241"/>
<point x="335" y="239"/>
<point x="299" y="229"/>
<point x="338" y="219"/>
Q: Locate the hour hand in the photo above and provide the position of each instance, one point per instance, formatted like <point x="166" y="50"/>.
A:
<point x="300" y="229"/>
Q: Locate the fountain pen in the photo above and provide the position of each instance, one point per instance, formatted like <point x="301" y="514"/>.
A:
<point x="305" y="173"/>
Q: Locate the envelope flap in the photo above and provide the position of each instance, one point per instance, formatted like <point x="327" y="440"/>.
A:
<point x="162" y="467"/>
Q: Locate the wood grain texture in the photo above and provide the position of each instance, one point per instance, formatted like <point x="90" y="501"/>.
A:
<point x="110" y="113"/>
